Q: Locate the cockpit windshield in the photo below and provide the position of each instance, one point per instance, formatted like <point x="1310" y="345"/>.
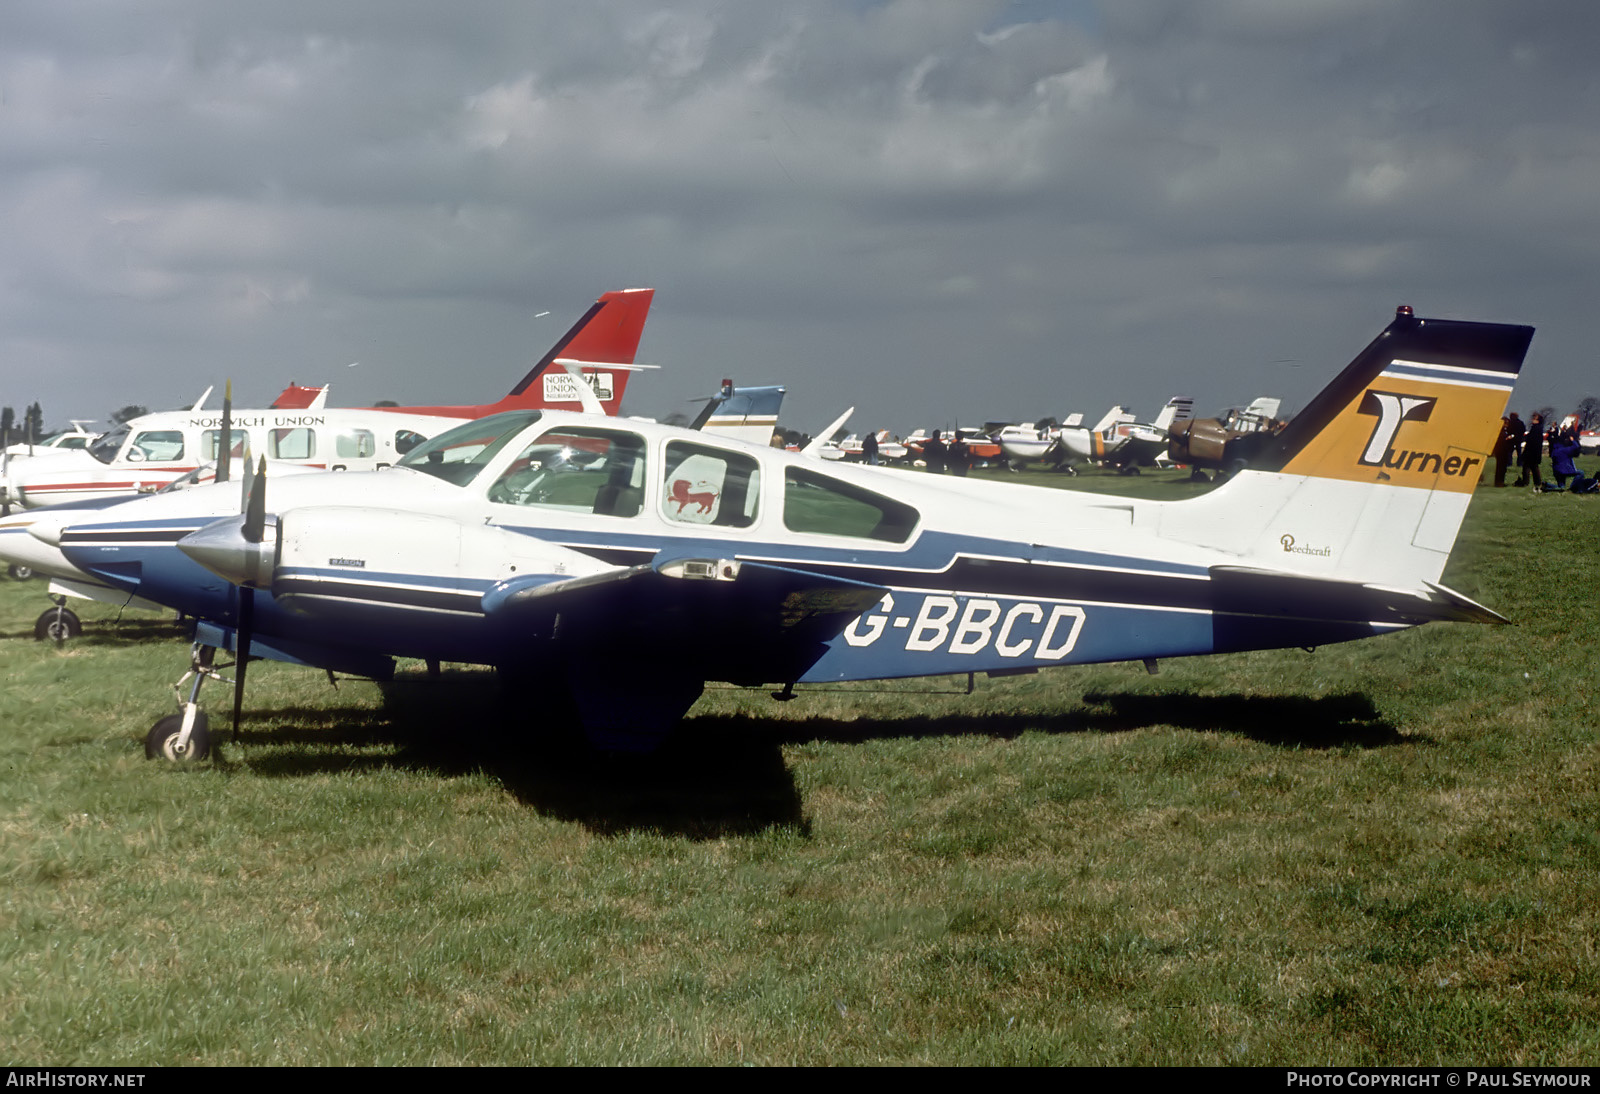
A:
<point x="457" y="455"/>
<point x="106" y="448"/>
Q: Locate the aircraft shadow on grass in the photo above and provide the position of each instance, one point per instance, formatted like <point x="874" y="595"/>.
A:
<point x="723" y="775"/>
<point x="1332" y="721"/>
<point x="461" y="724"/>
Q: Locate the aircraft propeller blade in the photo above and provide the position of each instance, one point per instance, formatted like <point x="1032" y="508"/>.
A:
<point x="225" y="453"/>
<point x="241" y="647"/>
<point x="253" y="530"/>
<point x="255" y="505"/>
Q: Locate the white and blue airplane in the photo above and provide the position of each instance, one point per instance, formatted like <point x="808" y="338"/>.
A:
<point x="615" y="567"/>
<point x="745" y="413"/>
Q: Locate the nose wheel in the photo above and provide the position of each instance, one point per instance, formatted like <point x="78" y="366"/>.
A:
<point x="58" y="624"/>
<point x="185" y="737"/>
<point x="169" y="740"/>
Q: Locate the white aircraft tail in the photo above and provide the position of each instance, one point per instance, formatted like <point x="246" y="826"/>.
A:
<point x="817" y="442"/>
<point x="747" y="413"/>
<point x="1264" y="407"/>
<point x="1113" y="416"/>
<point x="1179" y="408"/>
<point x="1369" y="483"/>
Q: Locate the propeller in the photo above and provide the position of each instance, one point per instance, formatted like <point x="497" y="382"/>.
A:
<point x="225" y="453"/>
<point x="253" y="531"/>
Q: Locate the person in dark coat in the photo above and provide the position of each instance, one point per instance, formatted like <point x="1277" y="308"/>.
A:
<point x="1505" y="446"/>
<point x="869" y="449"/>
<point x="1532" y="453"/>
<point x="960" y="457"/>
<point x="935" y="454"/>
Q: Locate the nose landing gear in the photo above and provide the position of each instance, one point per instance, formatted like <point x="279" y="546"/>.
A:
<point x="185" y="737"/>
<point x="57" y="624"/>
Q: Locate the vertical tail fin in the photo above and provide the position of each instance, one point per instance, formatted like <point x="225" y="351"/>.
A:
<point x="1179" y="408"/>
<point x="1371" y="480"/>
<point x="748" y="413"/>
<point x="608" y="332"/>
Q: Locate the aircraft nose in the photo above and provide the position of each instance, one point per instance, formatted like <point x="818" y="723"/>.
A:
<point x="47" y="530"/>
<point x="222" y="548"/>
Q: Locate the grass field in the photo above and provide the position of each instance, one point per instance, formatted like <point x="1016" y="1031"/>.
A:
<point x="1380" y="853"/>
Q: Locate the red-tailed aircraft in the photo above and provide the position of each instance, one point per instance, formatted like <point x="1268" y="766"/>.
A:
<point x="602" y="344"/>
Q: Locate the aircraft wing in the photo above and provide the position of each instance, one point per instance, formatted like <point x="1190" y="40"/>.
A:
<point x="740" y="621"/>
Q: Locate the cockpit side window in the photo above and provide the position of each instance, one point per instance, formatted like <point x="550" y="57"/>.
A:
<point x="457" y="455"/>
<point x="106" y="448"/>
<point x="706" y="485"/>
<point x="826" y="506"/>
<point x="579" y="469"/>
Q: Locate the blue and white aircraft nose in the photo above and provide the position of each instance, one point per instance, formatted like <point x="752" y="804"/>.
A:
<point x="47" y="530"/>
<point x="222" y="548"/>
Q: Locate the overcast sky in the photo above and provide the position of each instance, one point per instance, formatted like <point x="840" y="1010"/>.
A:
<point x="932" y="209"/>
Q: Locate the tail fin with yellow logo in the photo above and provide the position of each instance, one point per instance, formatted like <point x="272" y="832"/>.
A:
<point x="1368" y="485"/>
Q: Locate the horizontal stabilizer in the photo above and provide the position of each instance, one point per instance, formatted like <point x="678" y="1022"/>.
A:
<point x="1245" y="591"/>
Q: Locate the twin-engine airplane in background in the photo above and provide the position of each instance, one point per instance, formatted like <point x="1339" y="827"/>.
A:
<point x="611" y="568"/>
<point x="150" y="451"/>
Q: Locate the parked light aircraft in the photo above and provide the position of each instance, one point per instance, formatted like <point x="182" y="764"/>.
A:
<point x="79" y="436"/>
<point x="1025" y="444"/>
<point x="853" y="448"/>
<point x="1228" y="442"/>
<point x="1119" y="440"/>
<point x="745" y="413"/>
<point x="151" y="451"/>
<point x="493" y="544"/>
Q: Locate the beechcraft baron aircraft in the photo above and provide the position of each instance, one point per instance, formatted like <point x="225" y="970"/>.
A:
<point x="745" y="413"/>
<point x="533" y="541"/>
<point x="151" y="451"/>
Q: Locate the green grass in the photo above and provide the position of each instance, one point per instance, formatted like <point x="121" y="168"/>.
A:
<point x="1380" y="853"/>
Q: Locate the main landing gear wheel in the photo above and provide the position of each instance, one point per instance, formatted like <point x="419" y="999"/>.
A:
<point x="57" y="625"/>
<point x="162" y="740"/>
<point x="21" y="573"/>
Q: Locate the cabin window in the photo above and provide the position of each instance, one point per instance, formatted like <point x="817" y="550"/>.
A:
<point x="356" y="444"/>
<point x="157" y="446"/>
<point x="828" y="507"/>
<point x="292" y="444"/>
<point x="577" y="469"/>
<point x="211" y="441"/>
<point x="407" y="439"/>
<point x="705" y="485"/>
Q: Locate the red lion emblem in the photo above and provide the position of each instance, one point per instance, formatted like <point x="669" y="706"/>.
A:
<point x="681" y="495"/>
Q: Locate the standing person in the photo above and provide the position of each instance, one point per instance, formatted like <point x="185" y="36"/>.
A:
<point x="960" y="457"/>
<point x="934" y="453"/>
<point x="869" y="449"/>
<point x="1532" y="453"/>
<point x="1505" y="447"/>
